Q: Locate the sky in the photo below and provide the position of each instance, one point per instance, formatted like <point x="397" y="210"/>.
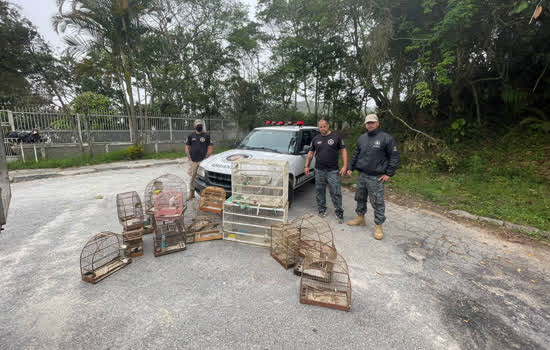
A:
<point x="40" y="12"/>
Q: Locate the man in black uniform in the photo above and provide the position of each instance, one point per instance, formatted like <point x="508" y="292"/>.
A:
<point x="198" y="147"/>
<point x="326" y="147"/>
<point x="376" y="158"/>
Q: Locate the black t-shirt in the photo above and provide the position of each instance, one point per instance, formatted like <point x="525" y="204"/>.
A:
<point x="198" y="145"/>
<point x="327" y="148"/>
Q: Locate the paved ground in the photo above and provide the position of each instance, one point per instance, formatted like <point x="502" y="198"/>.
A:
<point x="430" y="284"/>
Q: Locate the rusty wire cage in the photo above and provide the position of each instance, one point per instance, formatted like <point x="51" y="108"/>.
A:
<point x="284" y="243"/>
<point x="212" y="199"/>
<point x="325" y="281"/>
<point x="130" y="210"/>
<point x="312" y="228"/>
<point x="260" y="182"/>
<point x="169" y="205"/>
<point x="162" y="183"/>
<point x="169" y="237"/>
<point x="101" y="256"/>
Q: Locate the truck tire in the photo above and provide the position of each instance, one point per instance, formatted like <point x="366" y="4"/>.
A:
<point x="290" y="192"/>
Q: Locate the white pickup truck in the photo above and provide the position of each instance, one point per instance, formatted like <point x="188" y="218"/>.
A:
<point x="275" y="142"/>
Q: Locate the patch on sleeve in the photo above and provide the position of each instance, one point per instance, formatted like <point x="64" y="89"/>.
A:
<point x="395" y="148"/>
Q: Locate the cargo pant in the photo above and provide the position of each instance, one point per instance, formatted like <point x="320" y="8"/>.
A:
<point x="332" y="179"/>
<point x="192" y="172"/>
<point x="369" y="186"/>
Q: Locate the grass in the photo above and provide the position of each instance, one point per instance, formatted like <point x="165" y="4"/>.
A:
<point x="85" y="159"/>
<point x="506" y="178"/>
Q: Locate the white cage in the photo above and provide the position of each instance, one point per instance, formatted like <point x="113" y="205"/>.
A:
<point x="260" y="182"/>
<point x="245" y="223"/>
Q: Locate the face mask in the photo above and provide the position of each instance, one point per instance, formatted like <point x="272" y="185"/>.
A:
<point x="198" y="128"/>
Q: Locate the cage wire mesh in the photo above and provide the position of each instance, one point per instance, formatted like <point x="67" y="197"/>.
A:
<point x="312" y="228"/>
<point x="162" y="183"/>
<point x="244" y="223"/>
<point x="284" y="242"/>
<point x="101" y="256"/>
<point x="203" y="225"/>
<point x="130" y="211"/>
<point x="212" y="199"/>
<point x="325" y="280"/>
<point x="169" y="237"/>
<point x="260" y="182"/>
<point x="169" y="205"/>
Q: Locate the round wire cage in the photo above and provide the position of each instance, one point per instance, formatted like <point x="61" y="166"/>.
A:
<point x="102" y="255"/>
<point x="162" y="183"/>
<point x="130" y="210"/>
<point x="325" y="280"/>
<point x="169" y="205"/>
<point x="314" y="228"/>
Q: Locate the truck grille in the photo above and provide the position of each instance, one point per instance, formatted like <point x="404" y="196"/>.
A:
<point x="220" y="180"/>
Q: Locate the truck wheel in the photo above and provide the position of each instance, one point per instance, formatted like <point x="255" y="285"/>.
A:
<point x="290" y="193"/>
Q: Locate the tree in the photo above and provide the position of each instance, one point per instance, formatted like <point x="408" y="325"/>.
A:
<point x="115" y="26"/>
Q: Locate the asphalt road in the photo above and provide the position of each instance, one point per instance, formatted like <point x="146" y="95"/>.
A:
<point x="430" y="284"/>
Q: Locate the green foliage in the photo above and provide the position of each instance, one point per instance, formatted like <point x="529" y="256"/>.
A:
<point x="536" y="124"/>
<point x="90" y="102"/>
<point x="423" y="95"/>
<point x="134" y="152"/>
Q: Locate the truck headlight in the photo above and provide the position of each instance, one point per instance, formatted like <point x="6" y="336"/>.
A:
<point x="201" y="172"/>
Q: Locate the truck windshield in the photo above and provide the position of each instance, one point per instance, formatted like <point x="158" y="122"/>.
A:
<point x="280" y="141"/>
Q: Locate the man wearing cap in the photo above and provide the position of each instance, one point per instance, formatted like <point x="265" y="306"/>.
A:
<point x="198" y="147"/>
<point x="376" y="158"/>
<point x="326" y="146"/>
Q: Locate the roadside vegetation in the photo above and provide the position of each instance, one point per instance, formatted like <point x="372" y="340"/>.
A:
<point x="505" y="178"/>
<point x="116" y="156"/>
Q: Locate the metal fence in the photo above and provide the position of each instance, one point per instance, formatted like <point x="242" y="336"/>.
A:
<point x="57" y="127"/>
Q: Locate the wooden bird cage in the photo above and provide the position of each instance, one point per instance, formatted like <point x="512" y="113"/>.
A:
<point x="169" y="205"/>
<point x="101" y="256"/>
<point x="130" y="210"/>
<point x="284" y="243"/>
<point x="212" y="199"/>
<point x="325" y="281"/>
<point x="169" y="237"/>
<point x="156" y="186"/>
<point x="134" y="247"/>
<point x="206" y="227"/>
<point x="312" y="228"/>
<point x="260" y="182"/>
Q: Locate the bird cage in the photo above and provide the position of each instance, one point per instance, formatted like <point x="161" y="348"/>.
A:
<point x="212" y="199"/>
<point x="284" y="242"/>
<point x="102" y="255"/>
<point x="312" y="228"/>
<point x="169" y="205"/>
<point x="260" y="182"/>
<point x="149" y="225"/>
<point x="169" y="237"/>
<point x="156" y="186"/>
<point x="325" y="281"/>
<point x="134" y="247"/>
<point x="206" y="227"/>
<point x="130" y="210"/>
<point x="251" y="224"/>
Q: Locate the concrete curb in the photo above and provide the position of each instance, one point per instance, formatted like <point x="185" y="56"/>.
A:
<point x="22" y="178"/>
<point x="522" y="228"/>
